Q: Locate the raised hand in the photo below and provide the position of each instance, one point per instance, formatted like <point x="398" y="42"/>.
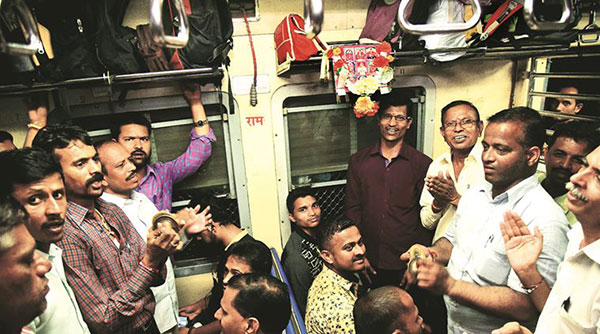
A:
<point x="522" y="248"/>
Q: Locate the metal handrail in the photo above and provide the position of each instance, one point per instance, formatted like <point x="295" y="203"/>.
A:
<point x="313" y="17"/>
<point x="157" y="29"/>
<point x="30" y="31"/>
<point x="566" y="18"/>
<point x="426" y="29"/>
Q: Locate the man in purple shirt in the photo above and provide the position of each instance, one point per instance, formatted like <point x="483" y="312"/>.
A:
<point x="384" y="184"/>
<point x="157" y="179"/>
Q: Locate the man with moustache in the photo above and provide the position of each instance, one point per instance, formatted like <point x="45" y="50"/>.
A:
<point x="301" y="259"/>
<point x="157" y="179"/>
<point x="389" y="310"/>
<point x="479" y="287"/>
<point x="572" y="306"/>
<point x="121" y="179"/>
<point x="565" y="155"/>
<point x="34" y="179"/>
<point x="454" y="172"/>
<point x="107" y="263"/>
<point x="332" y="294"/>
<point x="23" y="285"/>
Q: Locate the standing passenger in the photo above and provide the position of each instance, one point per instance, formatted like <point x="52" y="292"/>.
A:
<point x="23" y="285"/>
<point x="119" y="173"/>
<point x="34" y="179"/>
<point x="479" y="287"/>
<point x="107" y="263"/>
<point x="157" y="179"/>
<point x="453" y="173"/>
<point x="565" y="155"/>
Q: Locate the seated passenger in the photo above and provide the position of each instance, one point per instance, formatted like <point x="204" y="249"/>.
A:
<point x="222" y="230"/>
<point x="34" y="179"/>
<point x="481" y="291"/>
<point x="301" y="259"/>
<point x="107" y="263"/>
<point x="452" y="173"/>
<point x="389" y="310"/>
<point x="23" y="285"/>
<point x="254" y="304"/>
<point x="119" y="173"/>
<point x="242" y="258"/>
<point x="157" y="179"/>
<point x="332" y="294"/>
<point x="6" y="141"/>
<point x="572" y="304"/>
<point x="565" y="155"/>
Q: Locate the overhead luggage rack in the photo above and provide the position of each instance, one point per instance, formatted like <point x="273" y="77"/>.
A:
<point x="203" y="75"/>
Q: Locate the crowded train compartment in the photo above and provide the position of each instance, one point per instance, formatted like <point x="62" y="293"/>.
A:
<point x="285" y="120"/>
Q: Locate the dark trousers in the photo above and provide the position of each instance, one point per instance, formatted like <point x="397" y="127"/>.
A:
<point x="431" y="307"/>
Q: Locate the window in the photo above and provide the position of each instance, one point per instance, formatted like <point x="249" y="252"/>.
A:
<point x="321" y="135"/>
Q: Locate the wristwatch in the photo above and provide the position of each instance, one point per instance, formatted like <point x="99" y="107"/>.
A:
<point x="201" y="123"/>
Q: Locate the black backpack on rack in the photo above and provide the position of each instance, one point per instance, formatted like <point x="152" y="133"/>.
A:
<point x="211" y="30"/>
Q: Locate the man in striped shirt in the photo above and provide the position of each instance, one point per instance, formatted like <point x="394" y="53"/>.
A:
<point x="157" y="179"/>
<point x="106" y="262"/>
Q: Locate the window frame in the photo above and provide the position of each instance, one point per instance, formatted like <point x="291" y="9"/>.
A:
<point x="425" y="133"/>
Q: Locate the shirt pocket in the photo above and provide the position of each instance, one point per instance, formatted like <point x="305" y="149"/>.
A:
<point x="568" y="324"/>
<point x="491" y="264"/>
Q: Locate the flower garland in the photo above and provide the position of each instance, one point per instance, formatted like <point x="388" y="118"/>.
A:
<point x="362" y="70"/>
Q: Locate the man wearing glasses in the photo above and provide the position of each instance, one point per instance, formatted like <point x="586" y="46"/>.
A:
<point x="384" y="183"/>
<point x="454" y="172"/>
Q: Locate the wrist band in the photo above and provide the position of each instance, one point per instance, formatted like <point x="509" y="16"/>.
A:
<point x="531" y="288"/>
<point x="34" y="126"/>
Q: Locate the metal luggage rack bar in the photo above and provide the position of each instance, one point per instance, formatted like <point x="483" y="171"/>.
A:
<point x="209" y="74"/>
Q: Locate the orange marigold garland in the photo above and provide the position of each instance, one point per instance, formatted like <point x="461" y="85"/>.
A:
<point x="362" y="70"/>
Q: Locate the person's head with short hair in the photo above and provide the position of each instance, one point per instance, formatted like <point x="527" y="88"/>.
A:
<point x="461" y="126"/>
<point x="254" y="303"/>
<point x="132" y="130"/>
<point x="394" y="117"/>
<point x="247" y="257"/>
<point x="567" y="148"/>
<point x="569" y="105"/>
<point x="23" y="285"/>
<point x="74" y="150"/>
<point x="388" y="309"/>
<point x="223" y="224"/>
<point x="34" y="179"/>
<point x="118" y="170"/>
<point x="6" y="141"/>
<point x="512" y="145"/>
<point x="341" y="245"/>
<point x="303" y="209"/>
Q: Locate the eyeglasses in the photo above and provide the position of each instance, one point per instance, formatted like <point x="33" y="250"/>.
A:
<point x="464" y="123"/>
<point x="398" y="118"/>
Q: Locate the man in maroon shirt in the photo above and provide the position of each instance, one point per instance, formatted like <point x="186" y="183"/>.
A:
<point x="384" y="184"/>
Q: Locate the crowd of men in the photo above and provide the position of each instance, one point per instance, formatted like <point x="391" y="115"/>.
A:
<point x="494" y="244"/>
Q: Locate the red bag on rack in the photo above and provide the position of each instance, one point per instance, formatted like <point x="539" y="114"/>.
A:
<point x="291" y="43"/>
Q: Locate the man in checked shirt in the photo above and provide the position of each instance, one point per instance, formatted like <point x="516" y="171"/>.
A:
<point x="106" y="262"/>
<point x="157" y="179"/>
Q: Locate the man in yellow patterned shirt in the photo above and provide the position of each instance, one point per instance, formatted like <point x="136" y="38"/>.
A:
<point x="332" y="294"/>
